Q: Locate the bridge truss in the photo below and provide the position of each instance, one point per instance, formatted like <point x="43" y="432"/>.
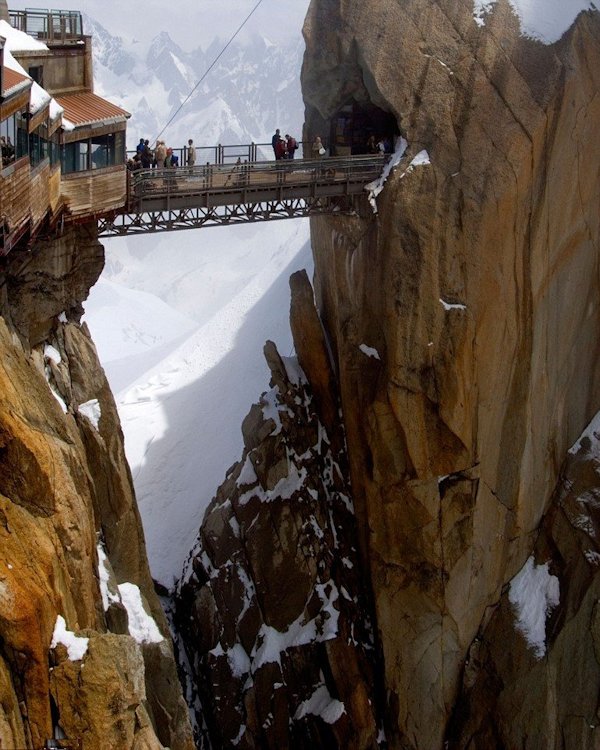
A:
<point x="174" y="219"/>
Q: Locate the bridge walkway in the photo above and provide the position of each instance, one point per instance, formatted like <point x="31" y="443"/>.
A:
<point x="219" y="194"/>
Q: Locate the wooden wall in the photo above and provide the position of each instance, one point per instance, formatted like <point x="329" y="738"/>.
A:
<point x="39" y="199"/>
<point x="65" y="68"/>
<point x="95" y="192"/>
<point x="15" y="195"/>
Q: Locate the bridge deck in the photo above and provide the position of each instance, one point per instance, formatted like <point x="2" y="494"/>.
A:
<point x="188" y="197"/>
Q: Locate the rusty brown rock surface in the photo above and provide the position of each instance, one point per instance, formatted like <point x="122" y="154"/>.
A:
<point x="66" y="497"/>
<point x="477" y="284"/>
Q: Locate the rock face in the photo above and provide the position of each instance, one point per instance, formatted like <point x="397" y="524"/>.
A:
<point x="70" y="532"/>
<point x="477" y="285"/>
<point x="542" y="692"/>
<point x="271" y="608"/>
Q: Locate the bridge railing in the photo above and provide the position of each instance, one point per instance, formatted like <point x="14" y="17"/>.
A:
<point x="190" y="183"/>
<point x="230" y="153"/>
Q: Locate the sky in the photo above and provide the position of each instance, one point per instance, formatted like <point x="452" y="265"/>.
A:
<point x="185" y="20"/>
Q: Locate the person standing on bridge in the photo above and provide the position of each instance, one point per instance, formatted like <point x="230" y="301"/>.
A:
<point x="292" y="145"/>
<point x="275" y="140"/>
<point x="280" y="150"/>
<point x="190" y="154"/>
<point x="160" y="154"/>
<point x="317" y="149"/>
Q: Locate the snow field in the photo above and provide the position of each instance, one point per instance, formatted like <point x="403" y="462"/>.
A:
<point x="180" y="326"/>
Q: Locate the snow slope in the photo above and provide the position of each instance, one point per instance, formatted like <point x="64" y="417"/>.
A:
<point x="180" y="327"/>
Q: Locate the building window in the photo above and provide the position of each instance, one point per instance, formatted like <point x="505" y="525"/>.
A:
<point x="75" y="157"/>
<point x="94" y="153"/>
<point x="8" y="136"/>
<point x="37" y="73"/>
<point x="38" y="145"/>
<point x="22" y="136"/>
<point x="54" y="148"/>
<point x="102" y="149"/>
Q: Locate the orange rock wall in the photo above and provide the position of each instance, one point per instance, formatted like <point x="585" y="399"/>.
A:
<point x="457" y="433"/>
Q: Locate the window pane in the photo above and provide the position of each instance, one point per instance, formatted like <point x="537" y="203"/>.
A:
<point x="22" y="137"/>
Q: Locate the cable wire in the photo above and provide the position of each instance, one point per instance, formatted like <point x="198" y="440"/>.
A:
<point x="207" y="71"/>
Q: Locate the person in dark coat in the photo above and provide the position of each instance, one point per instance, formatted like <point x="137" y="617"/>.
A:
<point x="275" y="140"/>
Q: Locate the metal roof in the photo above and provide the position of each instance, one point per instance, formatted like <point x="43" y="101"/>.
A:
<point x="88" y="108"/>
<point x="14" y="81"/>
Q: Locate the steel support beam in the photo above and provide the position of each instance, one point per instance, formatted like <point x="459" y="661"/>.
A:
<point x="193" y="218"/>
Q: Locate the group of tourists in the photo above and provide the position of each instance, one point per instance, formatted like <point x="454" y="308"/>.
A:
<point x="381" y="145"/>
<point x="161" y="156"/>
<point x="284" y="148"/>
<point x="8" y="150"/>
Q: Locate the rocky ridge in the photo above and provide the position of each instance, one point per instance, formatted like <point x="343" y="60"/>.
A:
<point x="271" y="610"/>
<point x="85" y="651"/>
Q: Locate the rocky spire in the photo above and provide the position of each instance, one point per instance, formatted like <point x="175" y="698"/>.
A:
<point x="4" y="11"/>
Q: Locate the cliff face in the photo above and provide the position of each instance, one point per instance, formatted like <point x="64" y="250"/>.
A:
<point x="84" y="646"/>
<point x="477" y="283"/>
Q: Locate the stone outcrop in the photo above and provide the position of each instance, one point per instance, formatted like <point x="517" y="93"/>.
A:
<point x="476" y="288"/>
<point x="70" y="532"/>
<point x="543" y="690"/>
<point x="271" y="610"/>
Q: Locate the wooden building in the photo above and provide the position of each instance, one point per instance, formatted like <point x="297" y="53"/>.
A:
<point x="63" y="147"/>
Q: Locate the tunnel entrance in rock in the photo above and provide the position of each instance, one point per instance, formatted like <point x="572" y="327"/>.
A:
<point x="358" y="128"/>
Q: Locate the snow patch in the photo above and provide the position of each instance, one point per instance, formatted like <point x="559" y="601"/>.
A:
<point x="300" y="633"/>
<point x="91" y="410"/>
<point x="592" y="557"/>
<point x="52" y="353"/>
<point x="420" y="160"/>
<point x="247" y="474"/>
<point x="76" y="645"/>
<point x="142" y="627"/>
<point x="108" y="597"/>
<point x="452" y="305"/>
<point x="375" y="187"/>
<point x="19" y="41"/>
<point x="534" y="593"/>
<point x="544" y="20"/>
<point x="321" y="704"/>
<point x="369" y="351"/>
<point x="294" y="372"/>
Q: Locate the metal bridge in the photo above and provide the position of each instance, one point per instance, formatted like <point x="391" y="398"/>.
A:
<point x="166" y="200"/>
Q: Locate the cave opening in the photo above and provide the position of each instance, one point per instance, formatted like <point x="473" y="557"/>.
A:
<point x="358" y="128"/>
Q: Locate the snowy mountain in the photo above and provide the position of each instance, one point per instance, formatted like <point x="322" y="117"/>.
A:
<point x="251" y="90"/>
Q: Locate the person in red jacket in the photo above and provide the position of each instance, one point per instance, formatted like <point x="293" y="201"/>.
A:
<point x="292" y="145"/>
<point x="280" y="149"/>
